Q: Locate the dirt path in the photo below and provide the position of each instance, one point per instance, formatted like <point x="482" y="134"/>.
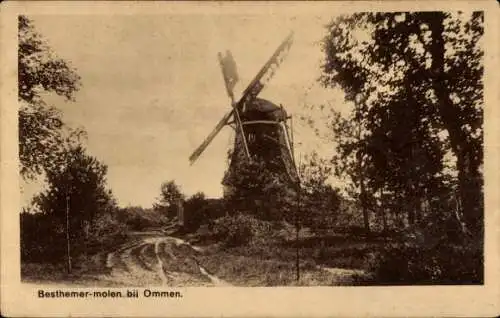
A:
<point x="154" y="259"/>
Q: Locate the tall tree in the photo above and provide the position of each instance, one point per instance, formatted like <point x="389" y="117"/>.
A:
<point x="78" y="188"/>
<point x="170" y="196"/>
<point x="40" y="125"/>
<point x="422" y="70"/>
<point x="349" y="161"/>
<point x="195" y="211"/>
<point x="320" y="202"/>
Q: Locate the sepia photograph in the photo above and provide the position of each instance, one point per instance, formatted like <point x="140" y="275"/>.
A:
<point x="245" y="149"/>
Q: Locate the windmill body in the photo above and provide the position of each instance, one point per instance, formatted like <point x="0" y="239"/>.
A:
<point x="261" y="127"/>
<point x="268" y="139"/>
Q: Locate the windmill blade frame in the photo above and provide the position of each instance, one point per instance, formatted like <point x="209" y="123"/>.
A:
<point x="229" y="72"/>
<point x="198" y="151"/>
<point x="256" y="86"/>
<point x="250" y="92"/>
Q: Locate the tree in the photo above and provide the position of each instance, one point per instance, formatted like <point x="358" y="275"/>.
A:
<point x="40" y="125"/>
<point x="259" y="190"/>
<point x="78" y="188"/>
<point x="350" y="158"/>
<point x="170" y="195"/>
<point x="420" y="75"/>
<point x="320" y="201"/>
<point x="196" y="211"/>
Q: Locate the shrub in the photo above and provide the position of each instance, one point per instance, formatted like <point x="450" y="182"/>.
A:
<point x="239" y="229"/>
<point x="195" y="212"/>
<point x="260" y="188"/>
<point x="440" y="264"/>
<point x="137" y="223"/>
<point x="106" y="231"/>
<point x="42" y="238"/>
<point x="138" y="219"/>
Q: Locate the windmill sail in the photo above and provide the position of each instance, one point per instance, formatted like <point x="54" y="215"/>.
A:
<point x="250" y="93"/>
<point x="228" y="66"/>
<point x="266" y="72"/>
<point x="229" y="71"/>
<point x="209" y="139"/>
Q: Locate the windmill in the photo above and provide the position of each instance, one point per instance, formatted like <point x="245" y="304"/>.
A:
<point x="261" y="126"/>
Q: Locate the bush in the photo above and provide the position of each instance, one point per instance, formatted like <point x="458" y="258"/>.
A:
<point x="137" y="223"/>
<point x="258" y="187"/>
<point x="195" y="212"/>
<point x="42" y="238"/>
<point x="106" y="231"/>
<point x="239" y="229"/>
<point x="138" y="219"/>
<point x="445" y="264"/>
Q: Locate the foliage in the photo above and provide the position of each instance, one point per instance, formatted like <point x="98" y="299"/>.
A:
<point x="76" y="182"/>
<point x="441" y="264"/>
<point x="261" y="191"/>
<point x="320" y="202"/>
<point x="81" y="179"/>
<point x="170" y="196"/>
<point x="196" y="211"/>
<point x="239" y="229"/>
<point x="41" y="127"/>
<point x="76" y="193"/>
<point x="106" y="230"/>
<point x="42" y="240"/>
<point x="136" y="218"/>
<point x="415" y="80"/>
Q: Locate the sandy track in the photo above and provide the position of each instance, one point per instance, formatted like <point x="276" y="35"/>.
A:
<point x="154" y="260"/>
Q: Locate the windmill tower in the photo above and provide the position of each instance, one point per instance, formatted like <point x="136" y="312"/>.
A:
<point x="262" y="127"/>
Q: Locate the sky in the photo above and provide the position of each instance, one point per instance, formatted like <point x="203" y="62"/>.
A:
<point x="152" y="90"/>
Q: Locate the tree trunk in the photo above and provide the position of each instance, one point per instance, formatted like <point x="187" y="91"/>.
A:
<point x="469" y="177"/>
<point x="410" y="203"/>
<point x="471" y="197"/>
<point x="362" y="194"/>
<point x="362" y="188"/>
<point x="364" y="208"/>
<point x="411" y="212"/>
<point x="418" y="209"/>
<point x="382" y="211"/>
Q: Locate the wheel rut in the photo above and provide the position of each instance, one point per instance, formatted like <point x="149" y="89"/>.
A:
<point x="158" y="260"/>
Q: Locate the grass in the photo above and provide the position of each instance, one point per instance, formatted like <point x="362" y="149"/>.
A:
<point x="251" y="271"/>
<point x="85" y="267"/>
<point x="272" y="262"/>
<point x="325" y="260"/>
<point x="334" y="259"/>
<point x="43" y="273"/>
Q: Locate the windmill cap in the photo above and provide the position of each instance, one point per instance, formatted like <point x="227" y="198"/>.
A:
<point x="264" y="109"/>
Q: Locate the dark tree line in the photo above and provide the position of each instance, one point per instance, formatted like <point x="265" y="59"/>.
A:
<point x="415" y="83"/>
